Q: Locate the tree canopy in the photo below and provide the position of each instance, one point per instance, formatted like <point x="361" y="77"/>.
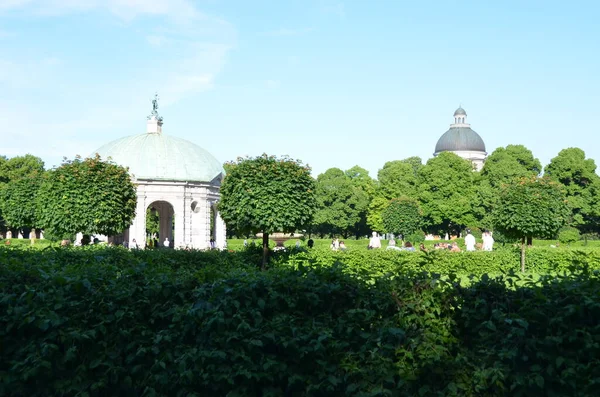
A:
<point x="402" y="216"/>
<point x="530" y="207"/>
<point x="18" y="202"/>
<point x="507" y="164"/>
<point x="20" y="167"/>
<point x="90" y="196"/>
<point x="447" y="193"/>
<point x="341" y="202"/>
<point x="267" y="194"/>
<point x="581" y="184"/>
<point x="503" y="166"/>
<point x="399" y="178"/>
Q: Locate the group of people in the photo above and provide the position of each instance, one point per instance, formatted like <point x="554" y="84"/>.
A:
<point x="337" y="245"/>
<point x="488" y="241"/>
<point x="375" y="242"/>
<point x="152" y="243"/>
<point x="407" y="246"/>
<point x="452" y="247"/>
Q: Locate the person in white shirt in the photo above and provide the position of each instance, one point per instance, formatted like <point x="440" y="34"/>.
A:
<point x="166" y="243"/>
<point x="488" y="241"/>
<point x="470" y="241"/>
<point x="375" y="241"/>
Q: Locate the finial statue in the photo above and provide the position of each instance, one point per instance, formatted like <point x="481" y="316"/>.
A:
<point x="155" y="109"/>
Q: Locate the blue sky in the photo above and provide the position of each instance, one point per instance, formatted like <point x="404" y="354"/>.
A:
<point x="333" y="83"/>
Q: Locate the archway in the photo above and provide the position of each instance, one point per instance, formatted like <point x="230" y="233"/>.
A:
<point x="160" y="223"/>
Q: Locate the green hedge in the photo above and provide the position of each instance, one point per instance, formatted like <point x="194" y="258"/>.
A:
<point x="116" y="322"/>
<point x="380" y="262"/>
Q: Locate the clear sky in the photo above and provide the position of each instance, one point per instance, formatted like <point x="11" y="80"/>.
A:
<point x="331" y="82"/>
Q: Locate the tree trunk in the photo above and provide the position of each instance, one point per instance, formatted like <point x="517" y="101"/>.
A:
<point x="523" y="254"/>
<point x="265" y="259"/>
<point x="529" y="241"/>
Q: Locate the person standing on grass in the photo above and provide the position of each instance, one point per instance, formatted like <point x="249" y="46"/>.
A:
<point x="470" y="241"/>
<point x="488" y="241"/>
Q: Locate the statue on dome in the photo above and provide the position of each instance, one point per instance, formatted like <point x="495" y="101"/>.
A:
<point x="155" y="109"/>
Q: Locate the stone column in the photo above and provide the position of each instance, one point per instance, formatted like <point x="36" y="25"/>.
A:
<point x="201" y="223"/>
<point x="180" y="219"/>
<point x="137" y="230"/>
<point x="220" y="231"/>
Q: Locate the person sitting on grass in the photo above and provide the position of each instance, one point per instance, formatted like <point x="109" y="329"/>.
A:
<point x="375" y="241"/>
<point x="408" y="246"/>
<point x="455" y="247"/>
<point x="342" y="246"/>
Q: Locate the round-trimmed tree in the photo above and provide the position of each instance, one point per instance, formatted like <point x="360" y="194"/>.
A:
<point x="530" y="207"/>
<point x="267" y="194"/>
<point x="90" y="196"/>
<point x="402" y="216"/>
<point x="18" y="201"/>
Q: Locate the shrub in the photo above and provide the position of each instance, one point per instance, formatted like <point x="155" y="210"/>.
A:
<point x="569" y="235"/>
<point x="415" y="238"/>
<point x="116" y="322"/>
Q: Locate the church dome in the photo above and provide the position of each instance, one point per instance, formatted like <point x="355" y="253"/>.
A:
<point x="162" y="157"/>
<point x="460" y="139"/>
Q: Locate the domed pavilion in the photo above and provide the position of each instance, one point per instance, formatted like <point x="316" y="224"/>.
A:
<point x="176" y="180"/>
<point x="462" y="140"/>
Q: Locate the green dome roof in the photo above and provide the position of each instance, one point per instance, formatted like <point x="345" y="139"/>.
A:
<point x="460" y="138"/>
<point x="162" y="157"/>
<point x="460" y="112"/>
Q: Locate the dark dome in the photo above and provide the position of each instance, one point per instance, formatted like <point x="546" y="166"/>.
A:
<point x="460" y="138"/>
<point x="460" y="112"/>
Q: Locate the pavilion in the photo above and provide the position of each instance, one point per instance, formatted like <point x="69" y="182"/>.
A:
<point x="175" y="179"/>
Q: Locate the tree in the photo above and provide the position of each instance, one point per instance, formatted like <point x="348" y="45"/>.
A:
<point x="90" y="196"/>
<point x="3" y="177"/>
<point x="501" y="167"/>
<point x="341" y="206"/>
<point x="506" y="164"/>
<point x="362" y="182"/>
<point x="20" y="167"/>
<point x="568" y="235"/>
<point x="360" y="178"/>
<point x="153" y="222"/>
<point x="17" y="168"/>
<point x="530" y="207"/>
<point x="402" y="216"/>
<point x="447" y="193"/>
<point x="266" y="194"/>
<point x="17" y="202"/>
<point x="398" y="178"/>
<point x="374" y="215"/>
<point x="582" y="186"/>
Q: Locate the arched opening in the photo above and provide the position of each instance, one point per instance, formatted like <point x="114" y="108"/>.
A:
<point x="160" y="225"/>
